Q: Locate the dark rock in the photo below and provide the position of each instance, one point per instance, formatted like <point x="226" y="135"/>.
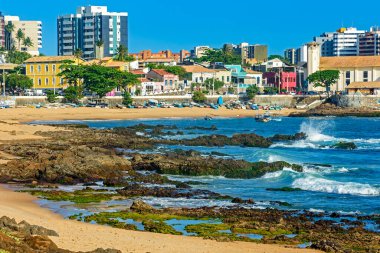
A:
<point x="140" y="206"/>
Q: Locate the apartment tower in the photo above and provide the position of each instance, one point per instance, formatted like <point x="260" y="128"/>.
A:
<point x="89" y="26"/>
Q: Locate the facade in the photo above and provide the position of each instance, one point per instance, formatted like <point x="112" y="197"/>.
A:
<point x="2" y="30"/>
<point x="170" y="81"/>
<point x="31" y="29"/>
<point x="44" y="70"/>
<point x="326" y="41"/>
<point x="258" y="52"/>
<point x="346" y="41"/>
<point x="369" y="43"/>
<point x="286" y="81"/>
<point x="367" y="88"/>
<point x="268" y="65"/>
<point x="292" y="55"/>
<point x="199" y="51"/>
<point x="88" y="26"/>
<point x="109" y="62"/>
<point x="200" y="74"/>
<point x="165" y="55"/>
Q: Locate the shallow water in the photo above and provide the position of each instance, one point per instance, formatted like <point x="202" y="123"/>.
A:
<point x="350" y="185"/>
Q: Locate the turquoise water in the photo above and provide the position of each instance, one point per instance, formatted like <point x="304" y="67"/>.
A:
<point x="350" y="185"/>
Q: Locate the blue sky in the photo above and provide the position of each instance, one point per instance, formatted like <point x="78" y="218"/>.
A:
<point x="181" y="24"/>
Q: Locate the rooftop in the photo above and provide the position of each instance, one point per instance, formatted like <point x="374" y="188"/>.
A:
<point x="364" y="85"/>
<point x="349" y="62"/>
<point x="50" y="59"/>
<point x="197" y="69"/>
<point x="161" y="72"/>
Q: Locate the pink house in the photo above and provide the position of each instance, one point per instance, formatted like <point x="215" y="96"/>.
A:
<point x="288" y="80"/>
<point x="170" y="81"/>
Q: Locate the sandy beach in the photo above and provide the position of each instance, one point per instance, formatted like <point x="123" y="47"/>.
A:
<point x="80" y="236"/>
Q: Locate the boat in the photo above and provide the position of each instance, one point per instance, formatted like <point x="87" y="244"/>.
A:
<point x="264" y="118"/>
<point x="208" y="118"/>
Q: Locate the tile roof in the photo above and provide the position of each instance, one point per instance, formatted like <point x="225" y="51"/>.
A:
<point x="349" y="62"/>
<point x="197" y="69"/>
<point x="138" y="72"/>
<point x="161" y="72"/>
<point x="364" y="85"/>
<point x="50" y="59"/>
<point x="250" y="71"/>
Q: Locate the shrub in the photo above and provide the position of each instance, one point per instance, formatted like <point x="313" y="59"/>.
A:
<point x="199" y="97"/>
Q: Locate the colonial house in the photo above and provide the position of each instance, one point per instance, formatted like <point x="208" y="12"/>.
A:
<point x="200" y="74"/>
<point x="169" y="81"/>
<point x="44" y="70"/>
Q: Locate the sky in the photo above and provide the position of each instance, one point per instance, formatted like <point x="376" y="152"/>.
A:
<point x="183" y="24"/>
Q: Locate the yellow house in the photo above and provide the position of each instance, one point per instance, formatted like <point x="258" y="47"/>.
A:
<point x="43" y="70"/>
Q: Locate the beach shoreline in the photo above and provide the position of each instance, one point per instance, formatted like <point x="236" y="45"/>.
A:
<point x="79" y="236"/>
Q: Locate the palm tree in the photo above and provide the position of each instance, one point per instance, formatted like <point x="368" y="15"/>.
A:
<point x="78" y="54"/>
<point x="99" y="45"/>
<point x="122" y="52"/>
<point x="9" y="29"/>
<point x="19" y="36"/>
<point x="27" y="42"/>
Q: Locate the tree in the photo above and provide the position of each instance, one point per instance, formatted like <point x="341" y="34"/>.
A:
<point x="199" y="97"/>
<point x="16" y="82"/>
<point x="71" y="72"/>
<point x="78" y="53"/>
<point x="72" y="94"/>
<point x="99" y="79"/>
<point x="51" y="96"/>
<point x="126" y="80"/>
<point x="127" y="98"/>
<point x="122" y="54"/>
<point x="27" y="42"/>
<point x="9" y="28"/>
<point x="217" y="84"/>
<point x="324" y="78"/>
<point x="16" y="57"/>
<point x="251" y="91"/>
<point x="281" y="58"/>
<point x="175" y="70"/>
<point x="19" y="36"/>
<point x="224" y="56"/>
<point x="99" y="45"/>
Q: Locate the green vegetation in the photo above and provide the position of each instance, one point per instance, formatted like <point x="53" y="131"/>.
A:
<point x="16" y="82"/>
<point x="78" y="197"/>
<point x="280" y="57"/>
<point x="266" y="232"/>
<point x="324" y="78"/>
<point x="159" y="227"/>
<point x="17" y="57"/>
<point x="209" y="83"/>
<point x="73" y="94"/>
<point x="51" y="96"/>
<point x="206" y="229"/>
<point x="224" y="56"/>
<point x="175" y="70"/>
<point x="199" y="97"/>
<point x="345" y="145"/>
<point x="127" y="98"/>
<point x="123" y="55"/>
<point x="251" y="91"/>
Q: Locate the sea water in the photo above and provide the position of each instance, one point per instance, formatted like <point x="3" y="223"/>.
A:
<point x="346" y="181"/>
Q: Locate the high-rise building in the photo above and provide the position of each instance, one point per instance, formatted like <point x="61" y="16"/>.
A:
<point x="199" y="51"/>
<point x="258" y="52"/>
<point x="2" y="30"/>
<point x="32" y="30"/>
<point x="346" y="41"/>
<point x="291" y="55"/>
<point x="369" y="43"/>
<point x="89" y="26"/>
<point x="326" y="42"/>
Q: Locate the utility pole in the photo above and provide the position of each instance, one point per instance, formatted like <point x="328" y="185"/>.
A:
<point x="3" y="81"/>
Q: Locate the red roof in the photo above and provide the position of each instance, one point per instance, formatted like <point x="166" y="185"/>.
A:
<point x="161" y="72"/>
<point x="137" y="72"/>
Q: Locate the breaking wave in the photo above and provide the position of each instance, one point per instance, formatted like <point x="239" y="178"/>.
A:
<point x="311" y="183"/>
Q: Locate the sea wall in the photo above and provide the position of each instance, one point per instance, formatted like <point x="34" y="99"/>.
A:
<point x="356" y="101"/>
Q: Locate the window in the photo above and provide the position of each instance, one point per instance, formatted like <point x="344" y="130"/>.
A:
<point x="348" y="77"/>
<point x="46" y="81"/>
<point x="39" y="81"/>
<point x="53" y="68"/>
<point x="166" y="82"/>
<point x="222" y="78"/>
<point x="171" y="82"/>
<point x="31" y="69"/>
<point x="196" y="79"/>
<point x="365" y="76"/>
<point x="61" y="81"/>
<point x="46" y="68"/>
<point x="228" y="79"/>
<point x="53" y="81"/>
<point x="39" y="68"/>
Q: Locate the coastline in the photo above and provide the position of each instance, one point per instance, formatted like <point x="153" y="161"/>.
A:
<point x="79" y="236"/>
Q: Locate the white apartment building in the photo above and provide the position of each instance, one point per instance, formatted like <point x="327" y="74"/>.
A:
<point x="30" y="29"/>
<point x="200" y="51"/>
<point x="88" y="26"/>
<point x="345" y="41"/>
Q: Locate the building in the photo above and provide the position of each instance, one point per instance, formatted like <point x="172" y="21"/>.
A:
<point x="258" y="76"/>
<point x="109" y="62"/>
<point x="369" y="43"/>
<point x="31" y="30"/>
<point x="2" y="30"/>
<point x="292" y="55"/>
<point x="199" y="51"/>
<point x="284" y="79"/>
<point x="367" y="88"/>
<point x="268" y="65"/>
<point x="258" y="52"/>
<point x="326" y="41"/>
<point x="170" y="81"/>
<point x="162" y="56"/>
<point x="241" y="78"/>
<point x="200" y="74"/>
<point x="44" y="70"/>
<point x="346" y="41"/>
<point x="90" y="25"/>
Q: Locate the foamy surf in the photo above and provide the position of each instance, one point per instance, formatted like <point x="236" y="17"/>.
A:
<point x="315" y="184"/>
